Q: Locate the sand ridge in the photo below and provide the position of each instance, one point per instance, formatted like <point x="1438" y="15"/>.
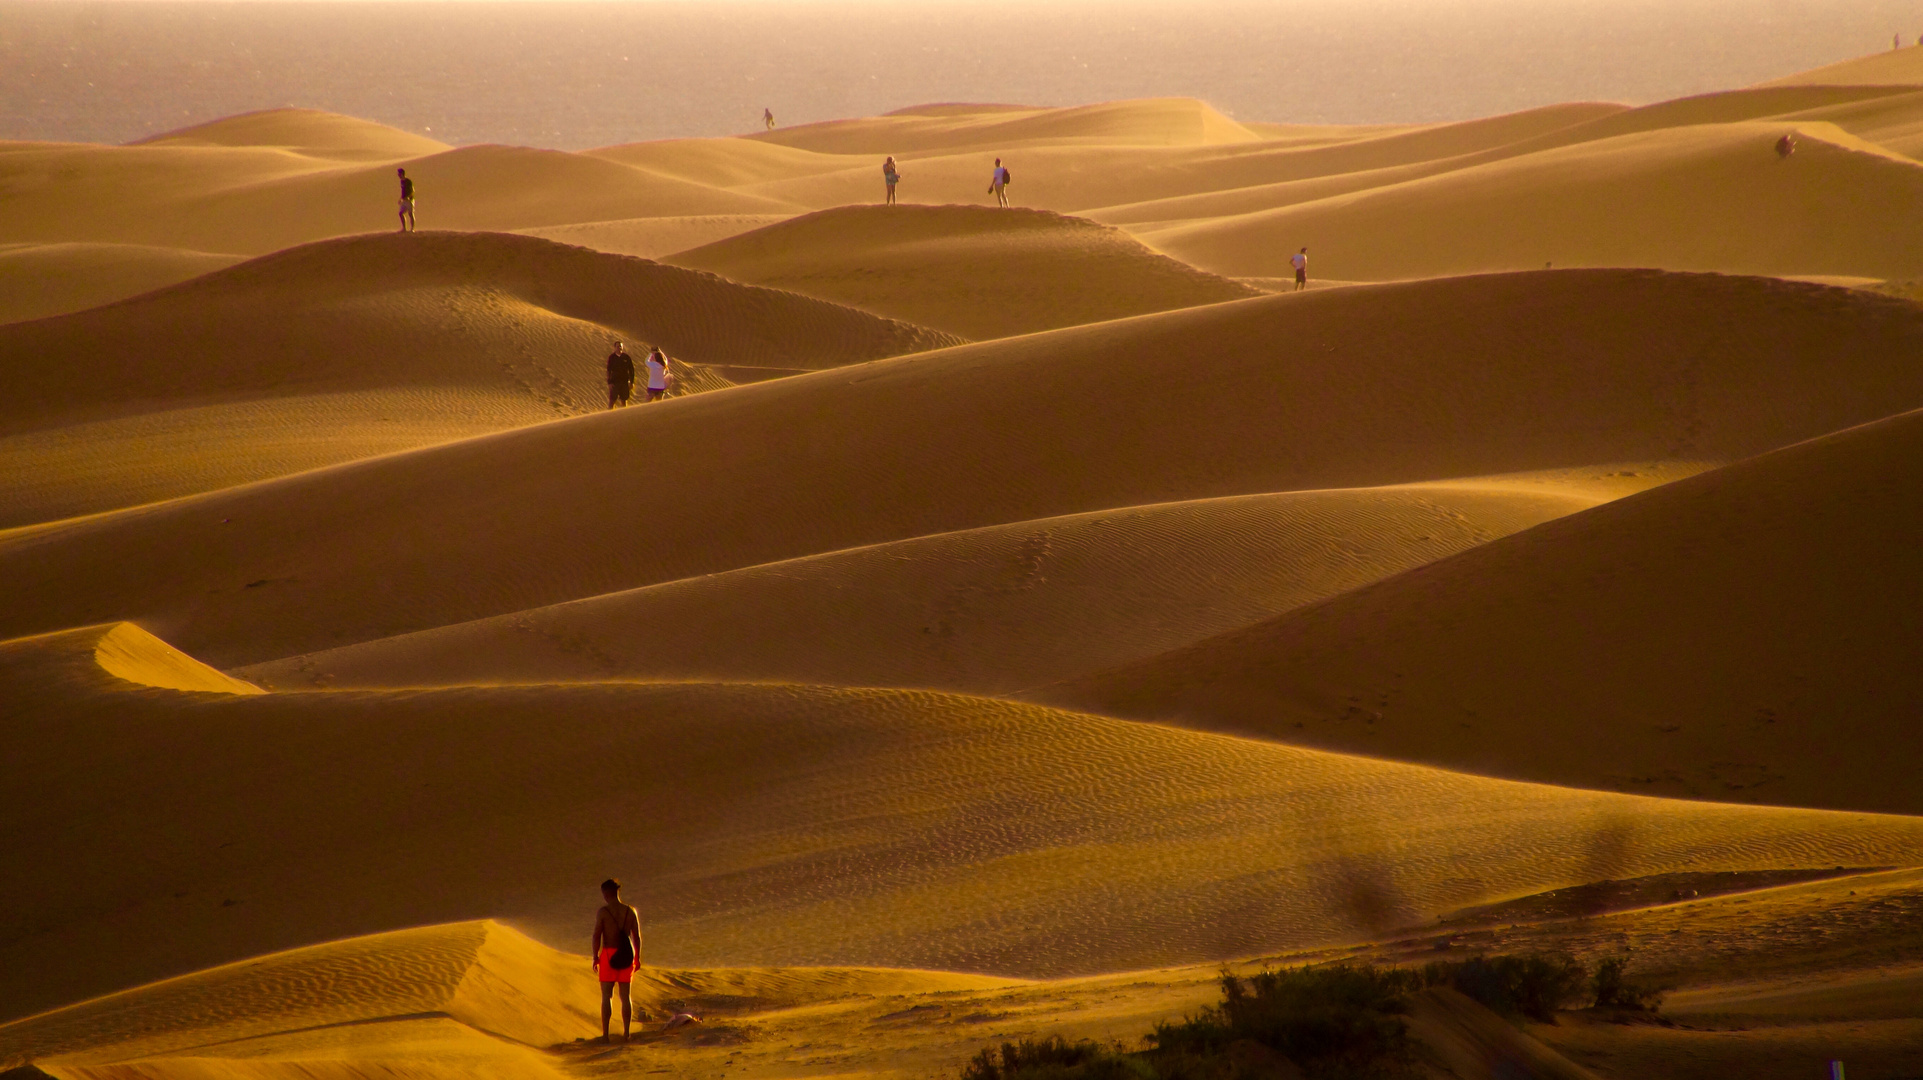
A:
<point x="1339" y="388"/>
<point x="976" y="272"/>
<point x="984" y="611"/>
<point x="1630" y="647"/>
<point x="779" y="825"/>
<point x="355" y="347"/>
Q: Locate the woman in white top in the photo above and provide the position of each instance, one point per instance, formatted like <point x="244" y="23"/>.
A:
<point x="658" y="377"/>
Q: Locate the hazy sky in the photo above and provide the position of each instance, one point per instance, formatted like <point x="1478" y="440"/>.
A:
<point x="568" y="74"/>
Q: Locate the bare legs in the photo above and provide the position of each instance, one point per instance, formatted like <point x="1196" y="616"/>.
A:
<point x="607" y="1010"/>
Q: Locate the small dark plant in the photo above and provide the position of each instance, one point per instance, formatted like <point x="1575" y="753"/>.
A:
<point x="1340" y="1021"/>
<point x="1533" y="985"/>
<point x="1054" y="1058"/>
<point x="1614" y="991"/>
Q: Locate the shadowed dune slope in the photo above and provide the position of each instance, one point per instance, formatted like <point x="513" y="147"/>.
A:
<point x="969" y="270"/>
<point x="782" y="825"/>
<point x="369" y="345"/>
<point x="1713" y="197"/>
<point x="1742" y="635"/>
<point x="311" y="320"/>
<point x="984" y="611"/>
<point x="38" y="280"/>
<point x="308" y="131"/>
<point x="1341" y="388"/>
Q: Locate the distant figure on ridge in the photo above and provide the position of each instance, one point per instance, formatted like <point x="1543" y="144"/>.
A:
<point x="617" y="952"/>
<point x="1300" y="260"/>
<point x="407" y="200"/>
<point x="620" y="375"/>
<point x="998" y="184"/>
<point x="890" y="177"/>
<point x="768" y="119"/>
<point x="1786" y="145"/>
<point x="659" y="377"/>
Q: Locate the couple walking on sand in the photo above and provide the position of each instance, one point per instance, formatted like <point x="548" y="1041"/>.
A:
<point x="621" y="375"/>
<point x="617" y="954"/>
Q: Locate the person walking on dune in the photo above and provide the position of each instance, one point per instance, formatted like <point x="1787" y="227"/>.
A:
<point x="620" y="376"/>
<point x="407" y="200"/>
<point x="1300" y="260"/>
<point x="768" y="119"/>
<point x="617" y="952"/>
<point x="891" y="177"/>
<point x="659" y="377"/>
<point x="998" y="184"/>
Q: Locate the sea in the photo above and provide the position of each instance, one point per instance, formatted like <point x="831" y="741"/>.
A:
<point x="573" y="75"/>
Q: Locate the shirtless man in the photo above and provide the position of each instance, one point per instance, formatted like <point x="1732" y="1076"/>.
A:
<point x="617" y="928"/>
<point x="407" y="200"/>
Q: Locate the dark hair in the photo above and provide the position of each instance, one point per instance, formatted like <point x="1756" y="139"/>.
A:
<point x="610" y="885"/>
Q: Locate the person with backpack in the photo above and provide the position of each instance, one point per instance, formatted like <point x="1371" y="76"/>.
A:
<point x="659" y="377"/>
<point x="890" y="177"/>
<point x="617" y="952"/>
<point x="998" y="183"/>
<point x="620" y="376"/>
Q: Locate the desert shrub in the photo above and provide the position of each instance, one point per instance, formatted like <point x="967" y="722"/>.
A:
<point x="1614" y="991"/>
<point x="1054" y="1058"/>
<point x="1340" y="1021"/>
<point x="1534" y="985"/>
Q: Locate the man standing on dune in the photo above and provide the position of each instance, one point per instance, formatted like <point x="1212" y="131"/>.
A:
<point x="407" y="201"/>
<point x="998" y="184"/>
<point x="1300" y="260"/>
<point x="617" y="952"/>
<point x="620" y="375"/>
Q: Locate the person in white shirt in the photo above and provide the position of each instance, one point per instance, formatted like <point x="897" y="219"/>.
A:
<point x="659" y="378"/>
<point x="1300" y="260"/>
<point x="998" y="184"/>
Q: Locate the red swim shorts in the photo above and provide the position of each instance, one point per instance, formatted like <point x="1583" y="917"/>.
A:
<point x="611" y="974"/>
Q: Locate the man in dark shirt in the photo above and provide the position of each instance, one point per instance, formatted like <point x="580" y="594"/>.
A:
<point x="620" y="375"/>
<point x="407" y="201"/>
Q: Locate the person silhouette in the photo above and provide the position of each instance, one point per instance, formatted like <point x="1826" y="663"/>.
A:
<point x="998" y="184"/>
<point x="407" y="200"/>
<point x="768" y="119"/>
<point x="890" y="176"/>
<point x="1300" y="260"/>
<point x="617" y="952"/>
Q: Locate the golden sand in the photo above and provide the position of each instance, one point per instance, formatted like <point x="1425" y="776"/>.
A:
<point x="346" y="643"/>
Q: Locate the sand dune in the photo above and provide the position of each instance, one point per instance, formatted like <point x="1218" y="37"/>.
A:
<point x="763" y="825"/>
<point x="308" y="131"/>
<point x="1740" y="635"/>
<point x="1147" y="122"/>
<point x="1339" y="388"/>
<point x="974" y="271"/>
<point x="1076" y="176"/>
<point x="1898" y="67"/>
<point x="38" y="280"/>
<point x="654" y="237"/>
<point x="266" y="181"/>
<point x="1694" y="198"/>
<point x="362" y="346"/>
<point x="983" y="611"/>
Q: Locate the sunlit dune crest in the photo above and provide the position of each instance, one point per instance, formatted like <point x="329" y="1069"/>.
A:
<point x="995" y="622"/>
